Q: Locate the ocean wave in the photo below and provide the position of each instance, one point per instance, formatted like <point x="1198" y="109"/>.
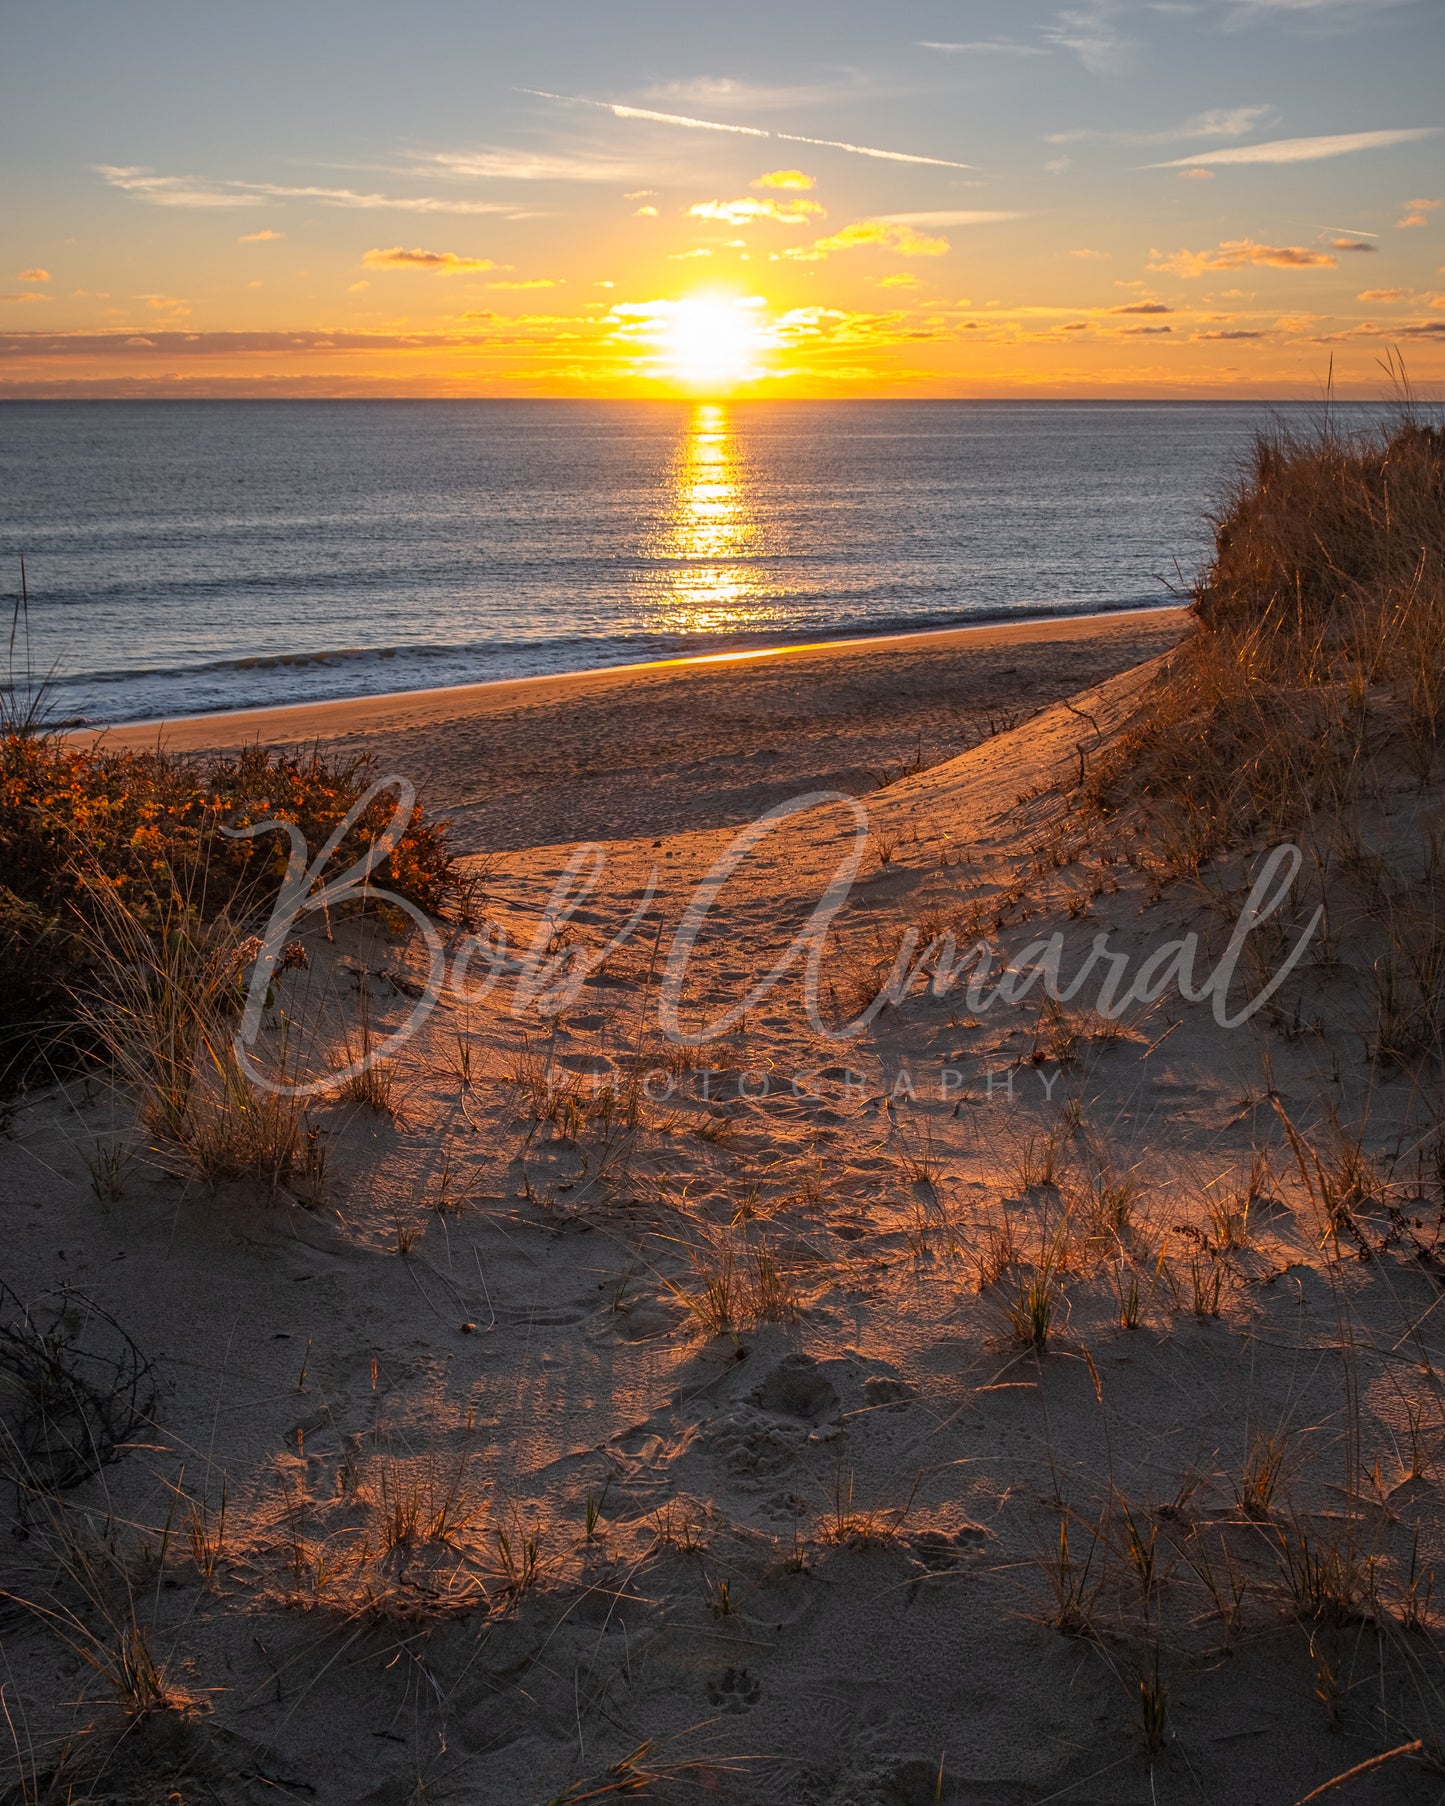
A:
<point x="269" y="679"/>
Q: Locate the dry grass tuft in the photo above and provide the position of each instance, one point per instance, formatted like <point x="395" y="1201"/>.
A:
<point x="736" y="1282"/>
<point x="162" y="1009"/>
<point x="401" y="1539"/>
<point x="1318" y="646"/>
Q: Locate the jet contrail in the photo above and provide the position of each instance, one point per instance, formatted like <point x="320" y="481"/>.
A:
<point x="619" y="111"/>
<point x="867" y="150"/>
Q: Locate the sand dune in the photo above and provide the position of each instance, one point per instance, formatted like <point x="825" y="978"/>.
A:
<point x="609" y="1408"/>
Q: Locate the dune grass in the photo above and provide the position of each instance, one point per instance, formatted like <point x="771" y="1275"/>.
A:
<point x="1317" y="650"/>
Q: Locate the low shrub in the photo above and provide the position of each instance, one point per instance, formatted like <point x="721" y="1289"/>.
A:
<point x="90" y="836"/>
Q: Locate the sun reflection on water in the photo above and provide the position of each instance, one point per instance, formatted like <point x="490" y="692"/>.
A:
<point x="707" y="583"/>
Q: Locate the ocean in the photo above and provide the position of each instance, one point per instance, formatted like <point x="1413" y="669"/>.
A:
<point x="189" y="556"/>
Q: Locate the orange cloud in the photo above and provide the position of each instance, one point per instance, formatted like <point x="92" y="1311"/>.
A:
<point x="1381" y="294"/>
<point x="1196" y="175"/>
<point x="783" y="178"/>
<point x="1416" y="212"/>
<point x="36" y="275"/>
<point x="436" y="263"/>
<point x="263" y="237"/>
<point x="1239" y="254"/>
<point x="877" y="234"/>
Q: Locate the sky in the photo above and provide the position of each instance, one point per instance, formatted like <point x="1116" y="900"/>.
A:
<point x="1187" y="198"/>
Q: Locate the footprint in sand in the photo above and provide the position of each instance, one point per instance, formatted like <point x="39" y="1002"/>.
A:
<point x="941" y="1550"/>
<point x="797" y="1391"/>
<point x="794" y="1405"/>
<point x="735" y="1690"/>
<point x="883" y="1389"/>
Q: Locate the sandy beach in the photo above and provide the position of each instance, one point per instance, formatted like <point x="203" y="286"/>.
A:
<point x="695" y="742"/>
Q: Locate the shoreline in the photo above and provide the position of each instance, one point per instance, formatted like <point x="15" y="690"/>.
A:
<point x="396" y="710"/>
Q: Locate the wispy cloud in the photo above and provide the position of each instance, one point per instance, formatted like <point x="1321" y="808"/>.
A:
<point x="1240" y="254"/>
<point x="725" y="91"/>
<point x="689" y="123"/>
<point x="984" y="47"/>
<point x="188" y="191"/>
<point x="1306" y="150"/>
<point x="1351" y="244"/>
<point x="1417" y="212"/>
<point x="1092" y="33"/>
<point x="263" y="237"/>
<point x="1216" y="122"/>
<point x="170" y="191"/>
<point x="1252" y="11"/>
<point x="748" y="210"/>
<point x="1143" y="307"/>
<point x="35" y="275"/>
<point x="436" y="263"/>
<point x="508" y="329"/>
<point x="495" y="164"/>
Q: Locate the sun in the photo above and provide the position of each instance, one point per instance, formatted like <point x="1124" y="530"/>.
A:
<point x="712" y="342"/>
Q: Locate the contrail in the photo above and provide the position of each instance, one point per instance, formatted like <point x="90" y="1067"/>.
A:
<point x="619" y="111"/>
<point x="867" y="150"/>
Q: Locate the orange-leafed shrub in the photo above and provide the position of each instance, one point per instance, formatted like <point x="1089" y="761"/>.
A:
<point x="82" y="828"/>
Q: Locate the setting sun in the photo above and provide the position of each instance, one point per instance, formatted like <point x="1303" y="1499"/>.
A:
<point x="711" y="342"/>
